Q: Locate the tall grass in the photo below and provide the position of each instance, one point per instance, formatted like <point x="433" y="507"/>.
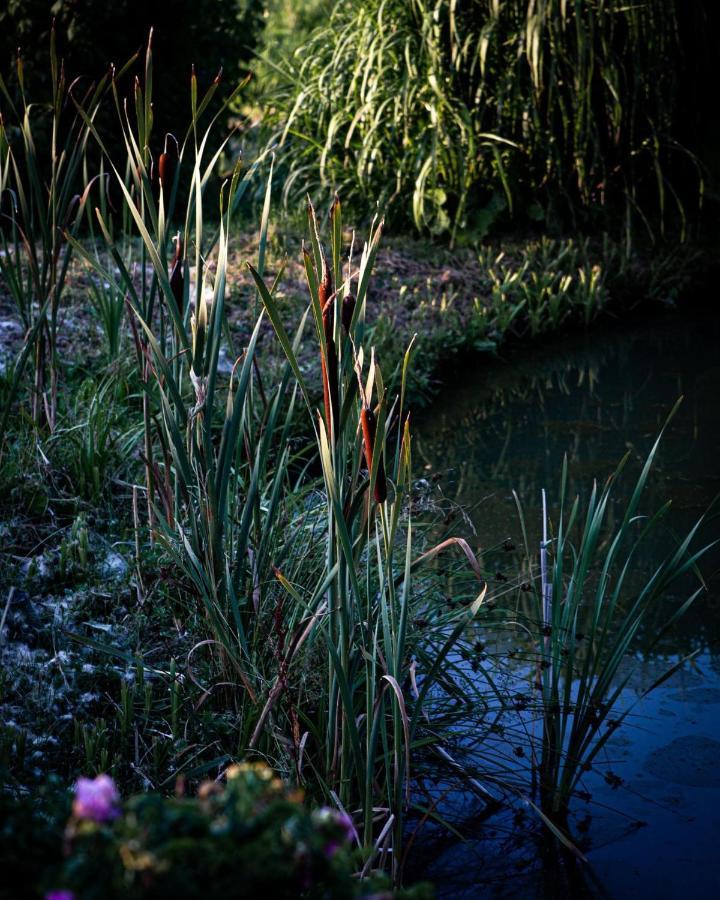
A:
<point x="298" y="551"/>
<point x="457" y="115"/>
<point x="42" y="151"/>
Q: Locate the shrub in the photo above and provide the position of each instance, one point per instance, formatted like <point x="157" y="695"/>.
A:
<point x="249" y="834"/>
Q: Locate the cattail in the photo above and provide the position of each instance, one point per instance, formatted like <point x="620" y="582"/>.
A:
<point x="348" y="308"/>
<point x="165" y="171"/>
<point x="369" y="430"/>
<point x="177" y="274"/>
<point x="327" y="305"/>
<point x="167" y="162"/>
<point x="330" y="366"/>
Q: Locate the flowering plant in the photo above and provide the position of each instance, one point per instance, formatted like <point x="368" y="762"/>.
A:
<point x="96" y="799"/>
<point x="248" y="834"/>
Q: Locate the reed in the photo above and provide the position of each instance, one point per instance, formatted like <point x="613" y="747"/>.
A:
<point x="590" y="605"/>
<point x="297" y="551"/>
<point x="370" y="727"/>
<point x="305" y="588"/>
<point x="42" y="152"/>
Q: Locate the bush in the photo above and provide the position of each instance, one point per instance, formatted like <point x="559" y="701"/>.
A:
<point x="239" y="838"/>
<point x="456" y="115"/>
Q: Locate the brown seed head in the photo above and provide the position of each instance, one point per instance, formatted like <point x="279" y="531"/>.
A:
<point x="348" y="308"/>
<point x="369" y="430"/>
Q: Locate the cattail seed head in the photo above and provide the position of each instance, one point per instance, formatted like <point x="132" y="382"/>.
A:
<point x="164" y="171"/>
<point x="369" y="430"/>
<point x="329" y="365"/>
<point x="348" y="308"/>
<point x="166" y="163"/>
<point x="327" y="305"/>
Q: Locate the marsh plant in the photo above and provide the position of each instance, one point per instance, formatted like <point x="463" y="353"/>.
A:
<point x="591" y="604"/>
<point x="307" y="586"/>
<point x="42" y="153"/>
<point x="275" y="497"/>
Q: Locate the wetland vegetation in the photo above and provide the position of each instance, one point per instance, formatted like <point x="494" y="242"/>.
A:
<point x="257" y="626"/>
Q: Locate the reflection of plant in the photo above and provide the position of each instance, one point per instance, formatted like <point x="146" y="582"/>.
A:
<point x="587" y="575"/>
<point x="530" y="290"/>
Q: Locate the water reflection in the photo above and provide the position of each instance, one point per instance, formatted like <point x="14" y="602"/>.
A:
<point x="650" y="826"/>
<point x="594" y="399"/>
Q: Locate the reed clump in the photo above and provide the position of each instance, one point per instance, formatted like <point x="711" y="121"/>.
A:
<point x="590" y="604"/>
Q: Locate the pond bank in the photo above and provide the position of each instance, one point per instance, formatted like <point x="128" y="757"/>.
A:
<point x="471" y="305"/>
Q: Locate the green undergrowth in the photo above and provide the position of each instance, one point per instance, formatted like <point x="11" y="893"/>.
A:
<point x="463" y="305"/>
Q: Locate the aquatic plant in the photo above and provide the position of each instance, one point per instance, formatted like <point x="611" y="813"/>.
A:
<point x="42" y="203"/>
<point x="298" y="553"/>
<point x="590" y="606"/>
<point x="306" y="587"/>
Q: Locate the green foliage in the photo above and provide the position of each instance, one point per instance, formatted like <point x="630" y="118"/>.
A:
<point x="297" y="558"/>
<point x="88" y="445"/>
<point x="305" y="586"/>
<point x="31" y="833"/>
<point x="248" y="835"/>
<point x="457" y="115"/>
<point x="522" y="292"/>
<point x="42" y="151"/>
<point x="288" y="25"/>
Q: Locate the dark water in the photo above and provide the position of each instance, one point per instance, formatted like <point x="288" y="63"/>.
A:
<point x="507" y="427"/>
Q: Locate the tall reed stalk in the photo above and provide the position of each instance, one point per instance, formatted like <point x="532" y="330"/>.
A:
<point x="370" y="725"/>
<point x="306" y="587"/>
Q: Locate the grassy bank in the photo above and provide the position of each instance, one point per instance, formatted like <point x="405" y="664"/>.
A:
<point x="459" y="306"/>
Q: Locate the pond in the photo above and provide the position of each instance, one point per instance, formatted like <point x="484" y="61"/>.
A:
<point x="652" y="825"/>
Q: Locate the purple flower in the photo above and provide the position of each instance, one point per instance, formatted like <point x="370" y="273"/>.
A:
<point x="331" y="848"/>
<point x="96" y="799"/>
<point x="60" y="895"/>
